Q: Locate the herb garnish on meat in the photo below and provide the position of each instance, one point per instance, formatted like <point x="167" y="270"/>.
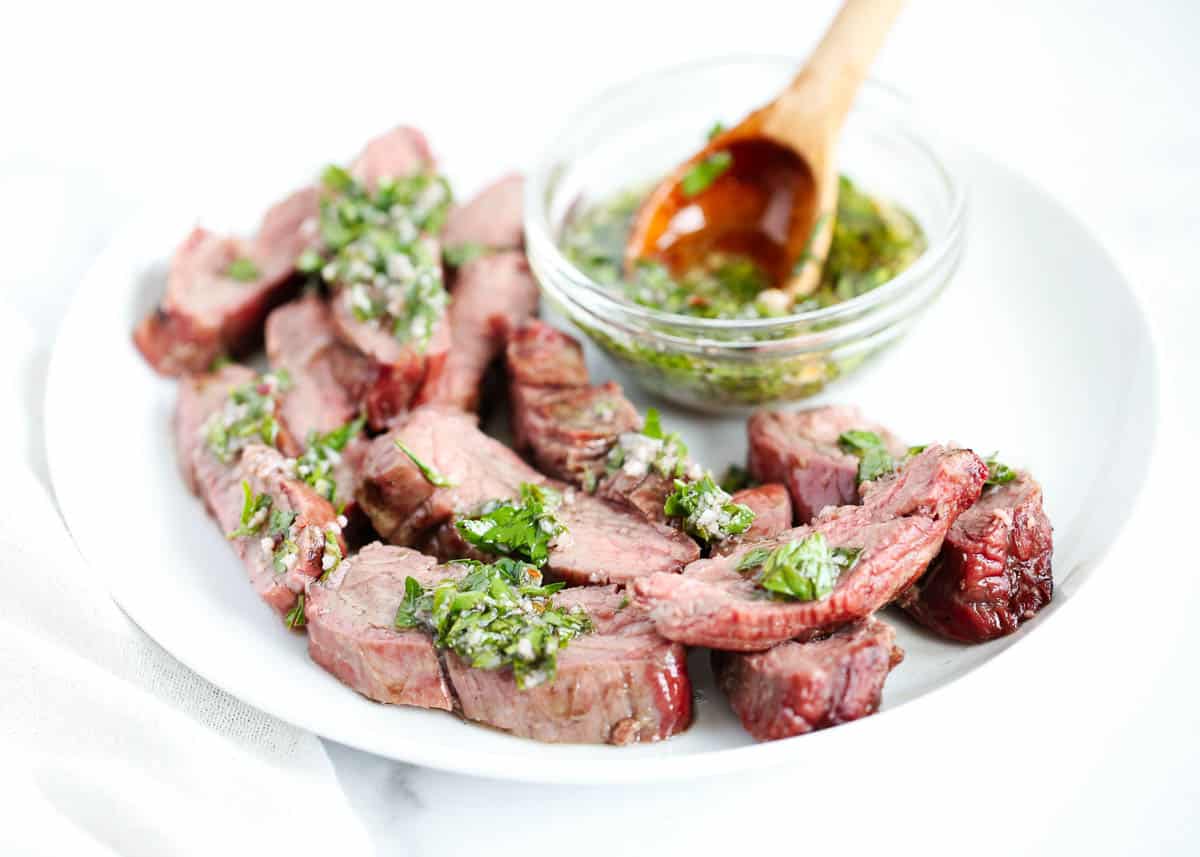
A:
<point x="498" y="614"/>
<point x="523" y="529"/>
<point x="999" y="473"/>
<point x="458" y="255"/>
<point x="376" y="245"/>
<point x="873" y="458"/>
<point x="243" y="270"/>
<point x="432" y="476"/>
<point x="736" y="478"/>
<point x="255" y="508"/>
<point x="248" y="415"/>
<point x="322" y="454"/>
<point x="295" y="617"/>
<point x="637" y="453"/>
<point x="804" y="570"/>
<point x="706" y="511"/>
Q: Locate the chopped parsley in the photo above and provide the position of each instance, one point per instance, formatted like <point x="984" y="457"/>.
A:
<point x="431" y="475"/>
<point x="295" y="617"/>
<point x="706" y="511"/>
<point x="717" y="128"/>
<point x="255" y="508"/>
<point x="247" y="416"/>
<point x="998" y="472"/>
<point x="377" y="246"/>
<point x="803" y="570"/>
<point x="331" y="556"/>
<point x="524" y="529"/>
<point x="496" y="615"/>
<point x="703" y="173"/>
<point x="638" y="453"/>
<point x="322" y="455"/>
<point x="243" y="270"/>
<point x="874" y="460"/>
<point x="458" y="255"/>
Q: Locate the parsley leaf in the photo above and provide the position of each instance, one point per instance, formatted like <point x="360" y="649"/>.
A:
<point x="718" y="127"/>
<point x="247" y="416"/>
<point x="523" y="529"/>
<point x="653" y="424"/>
<point x="998" y="472"/>
<point x="873" y="458"/>
<point x="706" y="511"/>
<point x="496" y="615"/>
<point x="254" y="512"/>
<point x="703" y="173"/>
<point x="803" y="570"/>
<point x="431" y="476"/>
<point x="458" y="255"/>
<point x="295" y="617"/>
<point x="321" y="456"/>
<point x="243" y="270"/>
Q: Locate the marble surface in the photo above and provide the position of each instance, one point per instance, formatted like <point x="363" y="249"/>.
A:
<point x="1093" y="100"/>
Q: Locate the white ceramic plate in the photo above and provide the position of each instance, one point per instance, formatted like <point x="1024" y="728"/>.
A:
<point x="1038" y="349"/>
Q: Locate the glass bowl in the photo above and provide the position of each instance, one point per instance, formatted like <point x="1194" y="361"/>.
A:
<point x="635" y="133"/>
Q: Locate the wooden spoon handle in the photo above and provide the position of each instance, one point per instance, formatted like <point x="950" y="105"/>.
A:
<point x="839" y="64"/>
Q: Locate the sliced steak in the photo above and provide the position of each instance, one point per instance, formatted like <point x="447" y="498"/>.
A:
<point x="205" y="311"/>
<point x="201" y="396"/>
<point x="351" y="631"/>
<point x="994" y="571"/>
<point x="620" y="684"/>
<point x="772" y="515"/>
<point x="566" y="425"/>
<point x="403" y="505"/>
<point x="646" y="492"/>
<point x="328" y="380"/>
<point x="327" y="377"/>
<point x="395" y="371"/>
<point x="898" y="530"/>
<point x="796" y="688"/>
<point x="400" y="152"/>
<point x="800" y="449"/>
<point x="492" y="218"/>
<point x="603" y="543"/>
<point x="492" y="296"/>
<point x="312" y="517"/>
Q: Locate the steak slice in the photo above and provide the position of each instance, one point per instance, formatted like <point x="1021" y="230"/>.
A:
<point x="772" y="515"/>
<point x="603" y="543"/>
<point x="492" y="296"/>
<point x="566" y="425"/>
<point x="493" y="218"/>
<point x="352" y="634"/>
<point x="312" y="517"/>
<point x="898" y="531"/>
<point x="327" y="383"/>
<point x="646" y="492"/>
<point x="403" y="505"/>
<point x="399" y="152"/>
<point x="327" y="377"/>
<point x="800" y="449"/>
<point x="620" y="684"/>
<point x="796" y="687"/>
<point x="201" y="396"/>
<point x="205" y="311"/>
<point x="994" y="571"/>
<point x="395" y="370"/>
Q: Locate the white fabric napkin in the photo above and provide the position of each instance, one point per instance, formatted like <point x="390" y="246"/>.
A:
<point x="109" y="745"/>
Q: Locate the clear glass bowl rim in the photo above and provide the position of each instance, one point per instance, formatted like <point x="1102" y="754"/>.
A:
<point x="601" y="298"/>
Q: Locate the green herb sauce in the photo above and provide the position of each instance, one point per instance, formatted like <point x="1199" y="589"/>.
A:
<point x="873" y="241"/>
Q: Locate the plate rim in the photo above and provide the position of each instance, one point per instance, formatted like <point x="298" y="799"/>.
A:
<point x="615" y="770"/>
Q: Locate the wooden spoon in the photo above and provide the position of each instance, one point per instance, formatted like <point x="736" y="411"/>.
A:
<point x="775" y="189"/>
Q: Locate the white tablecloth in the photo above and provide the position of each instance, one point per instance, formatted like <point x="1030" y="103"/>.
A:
<point x="115" y="744"/>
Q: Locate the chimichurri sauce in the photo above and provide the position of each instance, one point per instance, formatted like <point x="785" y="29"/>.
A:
<point x="873" y="241"/>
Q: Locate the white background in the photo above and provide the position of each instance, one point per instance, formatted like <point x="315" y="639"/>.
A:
<point x="106" y="107"/>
